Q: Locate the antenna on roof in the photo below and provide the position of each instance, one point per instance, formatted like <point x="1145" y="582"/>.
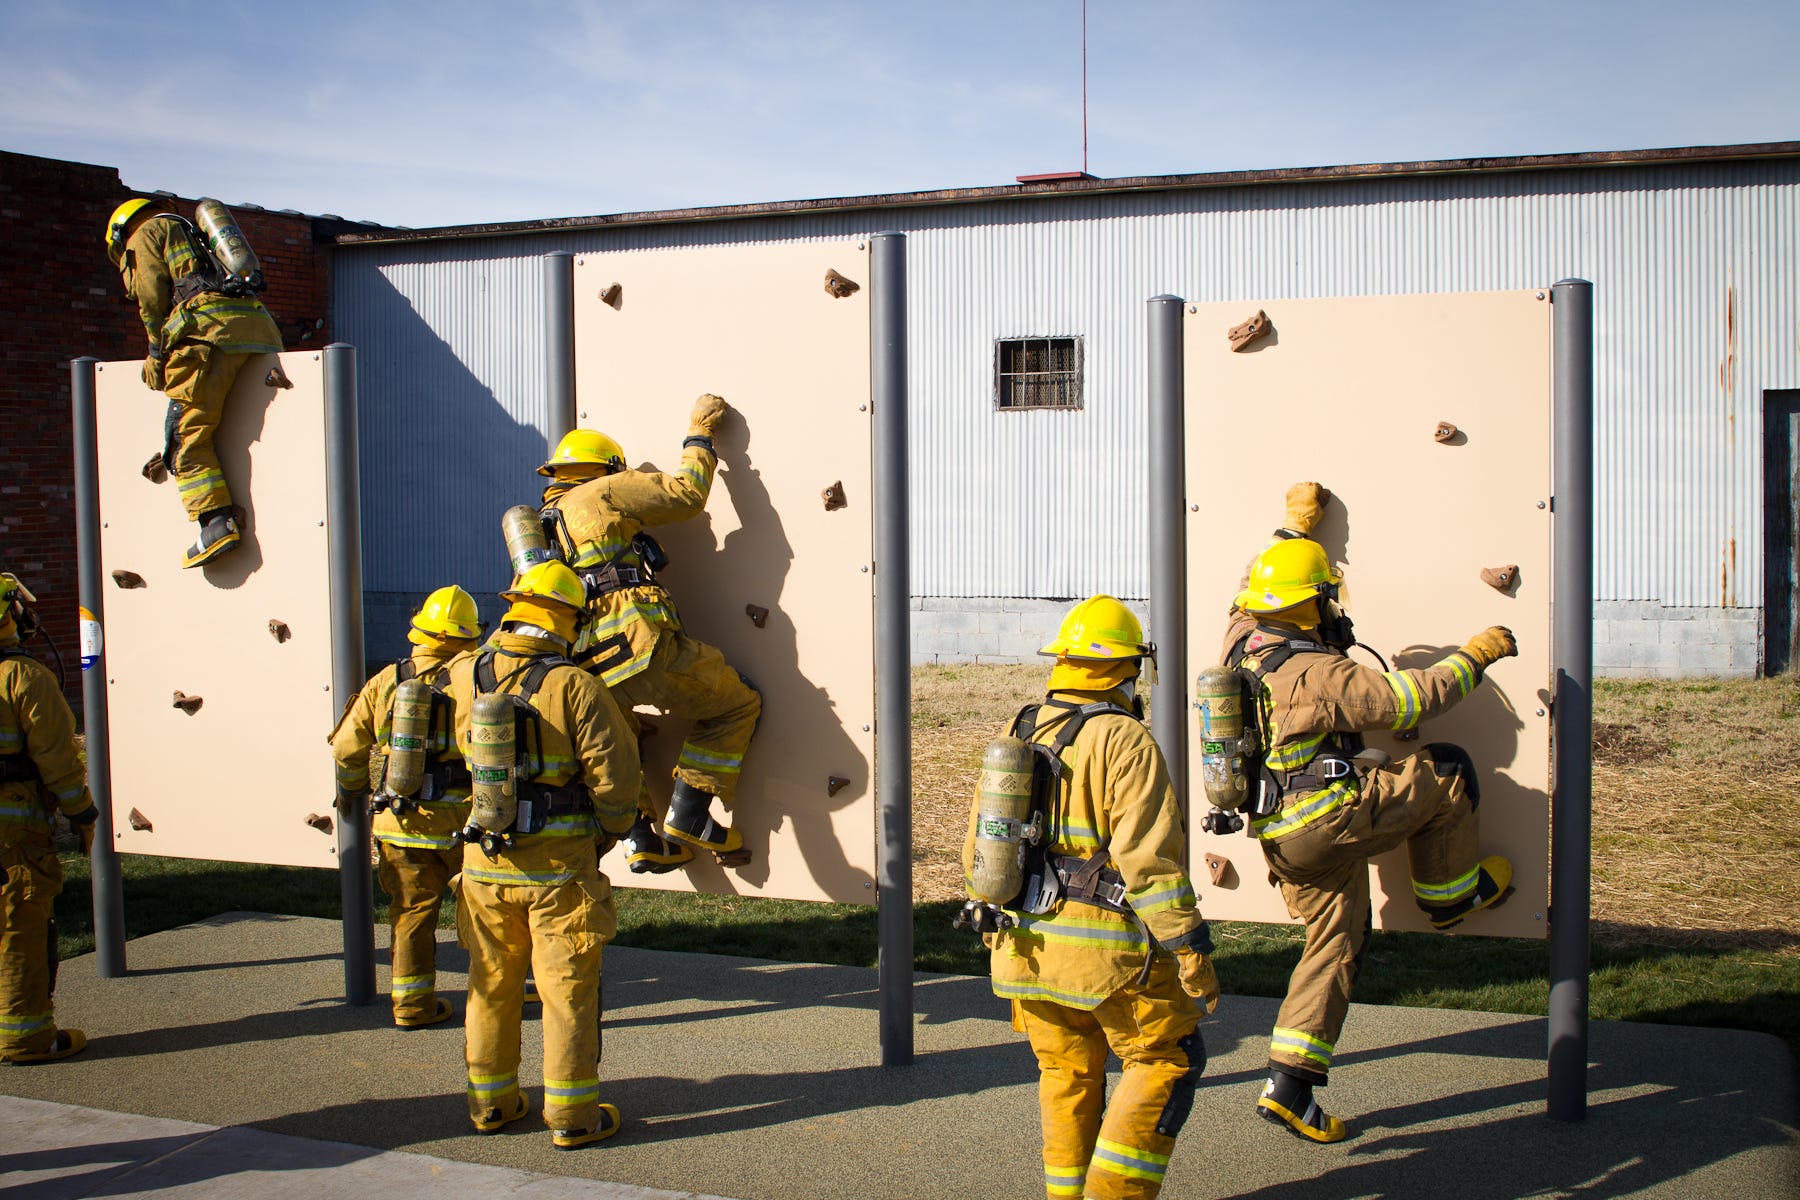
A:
<point x="1070" y="176"/>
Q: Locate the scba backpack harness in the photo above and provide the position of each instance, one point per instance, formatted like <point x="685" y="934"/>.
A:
<point x="506" y="757"/>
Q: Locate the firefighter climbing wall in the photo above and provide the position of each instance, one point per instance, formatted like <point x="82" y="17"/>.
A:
<point x="219" y="677"/>
<point x="1429" y="419"/>
<point x="779" y="571"/>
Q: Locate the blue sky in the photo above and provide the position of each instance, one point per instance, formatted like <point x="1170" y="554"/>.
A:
<point x="454" y="112"/>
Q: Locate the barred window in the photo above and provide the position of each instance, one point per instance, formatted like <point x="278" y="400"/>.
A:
<point x="1037" y="373"/>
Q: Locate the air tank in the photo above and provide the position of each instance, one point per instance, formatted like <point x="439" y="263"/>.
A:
<point x="491" y="755"/>
<point x="408" y="738"/>
<point x="229" y="247"/>
<point x="1002" y="817"/>
<point x="1219" y="695"/>
<point x="526" y="544"/>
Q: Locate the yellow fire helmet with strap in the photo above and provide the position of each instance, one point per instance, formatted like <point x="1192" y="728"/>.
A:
<point x="121" y="218"/>
<point x="1289" y="573"/>
<point x="448" y="612"/>
<point x="584" y="448"/>
<point x="1100" y="627"/>
<point x="549" y="581"/>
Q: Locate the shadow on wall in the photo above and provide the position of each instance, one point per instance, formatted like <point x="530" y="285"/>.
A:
<point x="441" y="459"/>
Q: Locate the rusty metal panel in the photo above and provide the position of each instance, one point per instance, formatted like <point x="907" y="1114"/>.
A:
<point x="757" y="325"/>
<point x="236" y="778"/>
<point x="1351" y="393"/>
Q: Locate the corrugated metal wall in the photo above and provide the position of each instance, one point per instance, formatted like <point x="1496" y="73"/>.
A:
<point x="1697" y="292"/>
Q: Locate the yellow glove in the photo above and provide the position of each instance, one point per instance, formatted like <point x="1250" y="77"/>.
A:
<point x="1305" y="505"/>
<point x="709" y="412"/>
<point x="153" y="373"/>
<point x="1198" y="979"/>
<point x="1491" y="645"/>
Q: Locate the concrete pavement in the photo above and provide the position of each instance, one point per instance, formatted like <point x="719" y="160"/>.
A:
<point x="227" y="1064"/>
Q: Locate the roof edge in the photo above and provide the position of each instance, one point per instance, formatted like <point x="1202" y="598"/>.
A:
<point x="1089" y="186"/>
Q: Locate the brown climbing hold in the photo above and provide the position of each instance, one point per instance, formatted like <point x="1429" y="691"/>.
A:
<point x="279" y="630"/>
<point x="1445" y="432"/>
<point x="187" y="704"/>
<point x="128" y="579"/>
<point x="1242" y="335"/>
<point x="155" y="470"/>
<point x="613" y="296"/>
<point x="1501" y="579"/>
<point x="139" y="822"/>
<point x="837" y="287"/>
<point x="834" y="497"/>
<point x="1218" y="867"/>
<point x="835" y="784"/>
<point x="277" y="378"/>
<point x="319" y="821"/>
<point x="758" y="615"/>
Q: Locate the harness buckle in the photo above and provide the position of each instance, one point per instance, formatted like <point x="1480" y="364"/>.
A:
<point x="1333" y="768"/>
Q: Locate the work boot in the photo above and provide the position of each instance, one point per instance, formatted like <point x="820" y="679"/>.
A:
<point x="493" y="1120"/>
<point x="218" y="534"/>
<point x="573" y="1139"/>
<point x="1288" y="1101"/>
<point x="531" y="993"/>
<point x="649" y="851"/>
<point x="67" y="1042"/>
<point x="438" y="1017"/>
<point x="690" y="820"/>
<point x="1493" y="885"/>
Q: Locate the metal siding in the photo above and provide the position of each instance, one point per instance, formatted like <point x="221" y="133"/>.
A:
<point x="1051" y="504"/>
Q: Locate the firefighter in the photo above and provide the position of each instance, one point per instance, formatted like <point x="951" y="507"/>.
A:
<point x="415" y="832"/>
<point x="41" y="772"/>
<point x="199" y="340"/>
<point x="1330" y="811"/>
<point x="1122" y="960"/>
<point x="636" y="643"/>
<point x="537" y="899"/>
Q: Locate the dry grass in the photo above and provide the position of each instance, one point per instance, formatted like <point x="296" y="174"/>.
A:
<point x="1696" y="800"/>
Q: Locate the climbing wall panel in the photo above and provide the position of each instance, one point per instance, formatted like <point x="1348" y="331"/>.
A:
<point x="1429" y="419"/>
<point x="235" y="772"/>
<point x="778" y="572"/>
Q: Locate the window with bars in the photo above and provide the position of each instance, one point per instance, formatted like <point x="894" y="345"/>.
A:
<point x="1037" y="373"/>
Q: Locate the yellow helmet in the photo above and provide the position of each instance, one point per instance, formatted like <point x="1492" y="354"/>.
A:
<point x="549" y="581"/>
<point x="14" y="596"/>
<point x="121" y="217"/>
<point x="1100" y="627"/>
<point x="584" y="448"/>
<point x="1289" y="573"/>
<point x="448" y="612"/>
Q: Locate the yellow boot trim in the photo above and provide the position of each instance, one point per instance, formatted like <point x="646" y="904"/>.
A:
<point x="570" y="1139"/>
<point x="68" y="1041"/>
<point x="1315" y="1125"/>
<point x="494" y="1120"/>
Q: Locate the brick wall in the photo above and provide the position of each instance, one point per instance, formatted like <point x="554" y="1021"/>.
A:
<point x="60" y="299"/>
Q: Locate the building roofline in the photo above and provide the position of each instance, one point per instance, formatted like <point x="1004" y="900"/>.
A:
<point x="1086" y="187"/>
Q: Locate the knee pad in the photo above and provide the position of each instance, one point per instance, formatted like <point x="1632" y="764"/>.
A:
<point x="1181" y="1095"/>
<point x="1451" y="761"/>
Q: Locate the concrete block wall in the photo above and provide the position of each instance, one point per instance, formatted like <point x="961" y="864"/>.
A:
<point x="1631" y="638"/>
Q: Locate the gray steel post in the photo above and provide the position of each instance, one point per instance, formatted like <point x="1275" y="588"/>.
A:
<point x="559" y="346"/>
<point x="343" y="527"/>
<point x="1572" y="634"/>
<point x="893" y="647"/>
<point x="1168" y="541"/>
<point x="109" y="897"/>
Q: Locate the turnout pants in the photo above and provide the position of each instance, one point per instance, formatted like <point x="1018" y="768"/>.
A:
<point x="556" y="933"/>
<point x="1118" y="1150"/>
<point x="27" y="940"/>
<point x="1425" y="801"/>
<point x="415" y="880"/>
<point x="692" y="679"/>
<point x="197" y="378"/>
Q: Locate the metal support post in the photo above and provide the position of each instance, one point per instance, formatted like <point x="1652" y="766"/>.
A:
<point x="559" y="347"/>
<point x="109" y="897"/>
<point x="893" y="648"/>
<point x="1168" y="541"/>
<point x="343" y="528"/>
<point x="1572" y="632"/>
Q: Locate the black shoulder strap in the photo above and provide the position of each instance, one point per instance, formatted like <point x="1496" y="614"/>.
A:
<point x="405" y="670"/>
<point x="1024" y="722"/>
<point x="537" y="672"/>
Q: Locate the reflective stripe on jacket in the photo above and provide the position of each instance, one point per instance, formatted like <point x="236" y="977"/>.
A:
<point x="1118" y="794"/>
<point x="602" y="516"/>
<point x="36" y="721"/>
<point x="584" y="739"/>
